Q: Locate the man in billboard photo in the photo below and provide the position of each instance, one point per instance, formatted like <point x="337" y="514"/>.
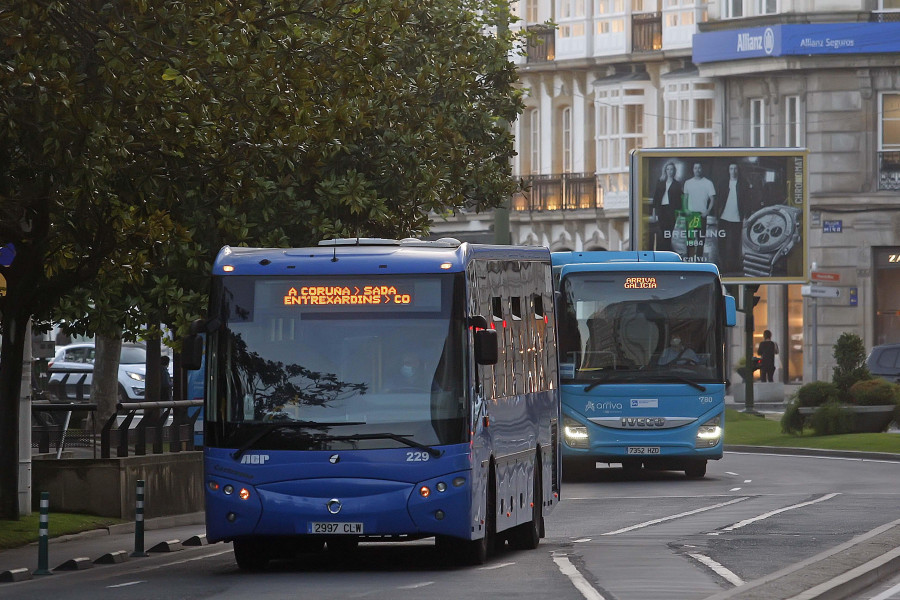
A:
<point x="666" y="200"/>
<point x="700" y="196"/>
<point x="733" y="206"/>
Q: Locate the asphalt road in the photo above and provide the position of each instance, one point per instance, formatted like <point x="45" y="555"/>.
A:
<point x="758" y="526"/>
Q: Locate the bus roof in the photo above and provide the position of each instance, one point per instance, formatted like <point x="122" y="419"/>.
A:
<point x="605" y="256"/>
<point x="355" y="256"/>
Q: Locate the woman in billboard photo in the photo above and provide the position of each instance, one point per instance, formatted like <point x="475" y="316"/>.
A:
<point x="666" y="200"/>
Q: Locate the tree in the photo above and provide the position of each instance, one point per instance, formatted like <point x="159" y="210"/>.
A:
<point x="138" y="137"/>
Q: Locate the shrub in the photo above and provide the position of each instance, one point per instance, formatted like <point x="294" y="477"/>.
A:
<point x="874" y="392"/>
<point x="817" y="393"/>
<point x="792" y="421"/>
<point x="831" y="418"/>
<point x="850" y="356"/>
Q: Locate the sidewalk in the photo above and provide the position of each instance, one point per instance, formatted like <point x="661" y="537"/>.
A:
<point x="103" y="546"/>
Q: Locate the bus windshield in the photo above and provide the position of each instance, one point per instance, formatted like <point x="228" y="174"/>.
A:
<point x="316" y="363"/>
<point x="636" y="327"/>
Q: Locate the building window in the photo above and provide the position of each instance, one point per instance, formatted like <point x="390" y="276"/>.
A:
<point x="535" y="124"/>
<point x="792" y="122"/>
<point x="887" y="294"/>
<point x="766" y="7"/>
<point x="889" y="142"/>
<point x="531" y="11"/>
<point x="567" y="140"/>
<point x="757" y="123"/>
<point x="620" y="129"/>
<point x="689" y="113"/>
<point x="610" y="16"/>
<point x="889" y="5"/>
<point x="734" y="9"/>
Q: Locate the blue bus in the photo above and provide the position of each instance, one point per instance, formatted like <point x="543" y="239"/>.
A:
<point x="642" y="360"/>
<point x="379" y="390"/>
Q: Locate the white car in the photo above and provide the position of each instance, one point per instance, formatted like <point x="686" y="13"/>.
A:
<point x="73" y="367"/>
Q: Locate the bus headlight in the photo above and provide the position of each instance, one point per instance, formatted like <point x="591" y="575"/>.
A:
<point x="575" y="433"/>
<point x="709" y="434"/>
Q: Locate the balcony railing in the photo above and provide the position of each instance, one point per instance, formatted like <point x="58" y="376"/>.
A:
<point x="885" y="17"/>
<point x="541" y="44"/>
<point x="889" y="170"/>
<point x="646" y="32"/>
<point x="563" y="191"/>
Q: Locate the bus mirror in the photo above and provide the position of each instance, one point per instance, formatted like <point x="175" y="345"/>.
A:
<point x="730" y="311"/>
<point x="486" y="346"/>
<point x="478" y="322"/>
<point x="192" y="352"/>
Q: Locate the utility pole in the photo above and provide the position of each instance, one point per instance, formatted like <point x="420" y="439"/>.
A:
<point x="750" y="301"/>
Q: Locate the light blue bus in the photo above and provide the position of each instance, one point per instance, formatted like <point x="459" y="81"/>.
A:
<point x="379" y="390"/>
<point x="642" y="360"/>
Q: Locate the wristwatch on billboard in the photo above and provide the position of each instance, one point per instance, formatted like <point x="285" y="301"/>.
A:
<point x="768" y="235"/>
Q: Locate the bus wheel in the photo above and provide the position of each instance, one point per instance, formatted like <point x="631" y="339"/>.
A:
<point x="527" y="536"/>
<point x="250" y="555"/>
<point x="696" y="469"/>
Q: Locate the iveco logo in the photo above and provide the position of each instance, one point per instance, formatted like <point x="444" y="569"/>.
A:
<point x="643" y="421"/>
<point x="334" y="459"/>
<point x="254" y="459"/>
<point x="333" y="506"/>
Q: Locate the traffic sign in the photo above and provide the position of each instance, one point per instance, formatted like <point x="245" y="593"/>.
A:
<point x="820" y="276"/>
<point x="820" y="291"/>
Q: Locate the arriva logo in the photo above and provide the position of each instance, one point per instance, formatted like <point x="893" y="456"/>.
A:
<point x="254" y="459"/>
<point x="591" y="406"/>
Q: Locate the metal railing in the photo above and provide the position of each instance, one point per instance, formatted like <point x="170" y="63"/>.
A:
<point x="151" y="427"/>
<point x="541" y="44"/>
<point x="564" y="191"/>
<point x="646" y="32"/>
<point x="47" y="432"/>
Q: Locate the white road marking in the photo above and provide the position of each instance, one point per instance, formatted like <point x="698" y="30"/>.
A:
<point x="887" y="594"/>
<point x="678" y="516"/>
<point x="730" y="473"/>
<point x="734" y="489"/>
<point x="581" y="540"/>
<point x="747" y="480"/>
<point x="720" y="569"/>
<point x="415" y="585"/>
<point x="492" y="567"/>
<point x="746" y="522"/>
<point x="581" y="584"/>
<point x="125" y="584"/>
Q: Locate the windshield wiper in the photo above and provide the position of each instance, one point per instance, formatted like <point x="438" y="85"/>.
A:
<point x="403" y="439"/>
<point x="270" y="427"/>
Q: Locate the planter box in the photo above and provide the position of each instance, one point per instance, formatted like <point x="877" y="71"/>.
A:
<point x="869" y="419"/>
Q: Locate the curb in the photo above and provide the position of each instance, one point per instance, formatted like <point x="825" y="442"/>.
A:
<point x="852" y="454"/>
<point x="861" y="562"/>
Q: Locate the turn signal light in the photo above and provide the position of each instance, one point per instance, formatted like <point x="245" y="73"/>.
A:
<point x="424" y="491"/>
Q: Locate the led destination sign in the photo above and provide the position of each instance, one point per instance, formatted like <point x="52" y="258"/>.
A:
<point x="640" y="283"/>
<point x="322" y="295"/>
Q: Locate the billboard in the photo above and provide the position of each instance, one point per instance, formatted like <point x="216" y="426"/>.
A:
<point x="743" y="209"/>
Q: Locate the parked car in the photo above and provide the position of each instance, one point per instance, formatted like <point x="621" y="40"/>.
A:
<point x="884" y="361"/>
<point x="73" y="367"/>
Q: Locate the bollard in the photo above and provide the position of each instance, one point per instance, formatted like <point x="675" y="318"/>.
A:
<point x="139" y="521"/>
<point x="43" y="541"/>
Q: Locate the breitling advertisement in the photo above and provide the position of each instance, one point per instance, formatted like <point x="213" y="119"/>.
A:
<point x="744" y="209"/>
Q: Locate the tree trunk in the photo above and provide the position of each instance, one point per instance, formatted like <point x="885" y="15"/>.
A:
<point x="11" y="354"/>
<point x="151" y="380"/>
<point x="105" y="382"/>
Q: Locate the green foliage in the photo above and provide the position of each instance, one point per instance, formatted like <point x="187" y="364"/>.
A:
<point x="850" y="356"/>
<point x="792" y="422"/>
<point x="832" y="418"/>
<point x="816" y="393"/>
<point x="874" y="392"/>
